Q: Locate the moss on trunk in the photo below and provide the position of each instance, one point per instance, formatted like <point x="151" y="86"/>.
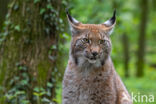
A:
<point x="29" y="50"/>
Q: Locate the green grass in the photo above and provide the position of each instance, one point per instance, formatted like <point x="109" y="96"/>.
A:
<point x="142" y="86"/>
<point x="145" y="85"/>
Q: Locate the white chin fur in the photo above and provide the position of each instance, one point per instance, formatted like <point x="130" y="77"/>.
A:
<point x="82" y="62"/>
<point x="92" y="61"/>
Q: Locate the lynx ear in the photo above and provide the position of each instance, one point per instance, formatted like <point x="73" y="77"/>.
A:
<point x="74" y="24"/>
<point x="109" y="24"/>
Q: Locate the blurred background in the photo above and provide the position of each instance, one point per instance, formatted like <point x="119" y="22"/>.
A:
<point x="35" y="42"/>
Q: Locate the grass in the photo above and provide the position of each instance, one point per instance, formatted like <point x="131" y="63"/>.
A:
<point x="142" y="86"/>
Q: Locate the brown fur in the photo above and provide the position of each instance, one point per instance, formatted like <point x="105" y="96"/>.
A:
<point x="89" y="79"/>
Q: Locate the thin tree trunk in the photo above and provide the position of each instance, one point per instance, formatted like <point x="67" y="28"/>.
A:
<point x="126" y="54"/>
<point x="154" y="4"/>
<point x="142" y="38"/>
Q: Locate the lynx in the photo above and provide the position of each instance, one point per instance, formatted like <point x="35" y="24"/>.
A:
<point x="90" y="77"/>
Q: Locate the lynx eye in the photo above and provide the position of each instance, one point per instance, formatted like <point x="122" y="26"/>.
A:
<point x="85" y="40"/>
<point x="102" y="41"/>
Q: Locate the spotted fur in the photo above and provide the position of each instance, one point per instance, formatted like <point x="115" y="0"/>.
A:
<point x="90" y="77"/>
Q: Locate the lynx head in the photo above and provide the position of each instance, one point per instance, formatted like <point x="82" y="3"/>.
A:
<point x="91" y="44"/>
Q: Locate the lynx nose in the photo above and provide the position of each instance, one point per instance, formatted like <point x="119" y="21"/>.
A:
<point x="94" y="53"/>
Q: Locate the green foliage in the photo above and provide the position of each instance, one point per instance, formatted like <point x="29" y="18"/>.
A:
<point x="36" y="1"/>
<point x="17" y="28"/>
<point x="36" y="79"/>
<point x="20" y="84"/>
<point x="30" y="39"/>
<point x="17" y="93"/>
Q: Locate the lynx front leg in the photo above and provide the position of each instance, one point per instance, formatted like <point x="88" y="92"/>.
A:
<point x="124" y="98"/>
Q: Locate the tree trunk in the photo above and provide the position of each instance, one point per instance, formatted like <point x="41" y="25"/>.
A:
<point x="3" y="11"/>
<point x="142" y="40"/>
<point x="154" y="4"/>
<point x="29" y="52"/>
<point x="126" y="54"/>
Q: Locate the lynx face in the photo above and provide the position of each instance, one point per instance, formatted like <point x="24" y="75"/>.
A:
<point x="91" y="47"/>
<point x="91" y="44"/>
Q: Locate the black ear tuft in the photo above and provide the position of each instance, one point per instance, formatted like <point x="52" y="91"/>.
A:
<point x="69" y="16"/>
<point x="113" y="19"/>
<point x="67" y="12"/>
